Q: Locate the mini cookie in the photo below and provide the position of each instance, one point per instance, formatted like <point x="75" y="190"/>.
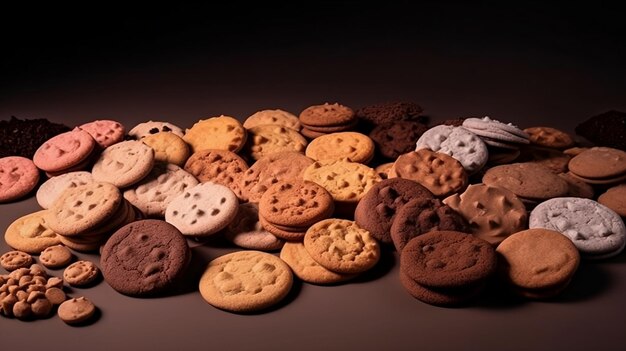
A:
<point x="577" y="187"/>
<point x="615" y="199"/>
<point x="168" y="148"/>
<point x="538" y="263"/>
<point x="305" y="268"/>
<point x="341" y="246"/>
<point x="223" y="133"/>
<point x="31" y="234"/>
<point x="596" y="230"/>
<point x="390" y="112"/>
<point x="393" y="139"/>
<point x="268" y="139"/>
<point x="354" y="146"/>
<point x="124" y="164"/>
<point x="493" y="213"/>
<point x="52" y="188"/>
<point x="203" y="209"/>
<point x="56" y="256"/>
<point x="496" y="133"/>
<point x="153" y="193"/>
<point x="144" y="129"/>
<point x="76" y="311"/>
<point x="458" y="142"/>
<point x="439" y="173"/>
<point x="327" y="115"/>
<point x="245" y="281"/>
<point x="527" y="180"/>
<point x="599" y="163"/>
<point x="105" y="132"/>
<point x="218" y="166"/>
<point x="549" y="137"/>
<point x="296" y="203"/>
<point x="247" y="232"/>
<point x="606" y="129"/>
<point x="18" y="176"/>
<point x="13" y="260"/>
<point x="81" y="273"/>
<point x="144" y="257"/>
<point x="64" y="151"/>
<point x="276" y="117"/>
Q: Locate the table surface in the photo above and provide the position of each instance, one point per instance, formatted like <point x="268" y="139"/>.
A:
<point x="525" y="84"/>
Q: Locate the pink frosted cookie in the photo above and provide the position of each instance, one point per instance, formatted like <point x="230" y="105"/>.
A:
<point x="18" y="176"/>
<point x="64" y="151"/>
<point x="105" y="132"/>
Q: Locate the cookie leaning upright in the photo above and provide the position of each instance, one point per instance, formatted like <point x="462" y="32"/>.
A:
<point x="223" y="133"/>
<point x="124" y="164"/>
<point x="318" y="120"/>
<point x="18" y="176"/>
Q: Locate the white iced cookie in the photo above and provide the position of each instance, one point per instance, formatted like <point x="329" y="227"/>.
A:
<point x="458" y="142"/>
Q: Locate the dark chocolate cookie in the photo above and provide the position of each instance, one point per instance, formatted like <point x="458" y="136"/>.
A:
<point x="144" y="257"/>
<point x="22" y="137"/>
<point x="393" y="139"/>
<point x="377" y="209"/>
<point x="373" y="115"/>
<point x="606" y="129"/>
<point x="422" y="215"/>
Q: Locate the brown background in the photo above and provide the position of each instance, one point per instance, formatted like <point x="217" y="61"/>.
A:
<point x="528" y="64"/>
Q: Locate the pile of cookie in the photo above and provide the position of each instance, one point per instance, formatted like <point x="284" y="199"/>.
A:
<point x="461" y="202"/>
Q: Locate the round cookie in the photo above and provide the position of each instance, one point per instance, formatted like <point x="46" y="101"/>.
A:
<point x="596" y="230"/>
<point x="202" y="210"/>
<point x="247" y="232"/>
<point x="577" y="187"/>
<point x="18" y="176"/>
<point x="81" y="273"/>
<point x="599" y="163"/>
<point x="52" y="188"/>
<point x="56" y="256"/>
<point x="390" y="112"/>
<point x="496" y="133"/>
<point x="223" y="133"/>
<point x="267" y="139"/>
<point x="538" y="263"/>
<point x="124" y="164"/>
<point x="105" y="132"/>
<point x="311" y="134"/>
<point x="345" y="181"/>
<point x="527" y="180"/>
<point x="218" y="166"/>
<point x="393" y="139"/>
<point x="283" y="233"/>
<point x="549" y="137"/>
<point x="296" y="203"/>
<point x="331" y="129"/>
<point x="31" y="234"/>
<point x="76" y="311"/>
<point x="500" y="156"/>
<point x="276" y="117"/>
<point x="64" y="151"/>
<point x="553" y="159"/>
<point x="615" y="199"/>
<point x="341" y="246"/>
<point x="327" y="115"/>
<point x="245" y="281"/>
<point x="438" y="296"/>
<point x="144" y="129"/>
<point x="168" y="148"/>
<point x="13" y="260"/>
<point x="354" y="146"/>
<point x="463" y="145"/>
<point x="144" y="257"/>
<point x="305" y="268"/>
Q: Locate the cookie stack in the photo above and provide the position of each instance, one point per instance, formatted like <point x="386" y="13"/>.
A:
<point x="319" y="120"/>
<point x="504" y="139"/>
<point x="274" y="117"/>
<point x="600" y="166"/>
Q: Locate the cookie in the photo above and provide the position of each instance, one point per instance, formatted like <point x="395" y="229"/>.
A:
<point x="390" y="112"/>
<point x="276" y="117"/>
<point x="377" y="209"/>
<point x="496" y="133"/>
<point x="341" y="246"/>
<point x="202" y="210"/>
<point x="500" y="156"/>
<point x="354" y="146"/>
<point x="527" y="180"/>
<point x="247" y="232"/>
<point x="105" y="132"/>
<point x="218" y="166"/>
<point x="574" y="151"/>
<point x="153" y="193"/>
<point x="440" y="296"/>
<point x="596" y="230"/>
<point x="31" y="234"/>
<point x="52" y="188"/>
<point x="81" y="273"/>
<point x="383" y="170"/>
<point x="332" y="129"/>
<point x="124" y="164"/>
<point x="599" y="163"/>
<point x="538" y="263"/>
<point x="245" y="281"/>
<point x="64" y="151"/>
<point x="458" y="142"/>
<point x="606" y="129"/>
<point x="268" y="139"/>
<point x="327" y="115"/>
<point x="549" y="137"/>
<point x="223" y="133"/>
<point x="493" y="213"/>
<point x="393" y="139"/>
<point x="18" y="177"/>
<point x="305" y="268"/>
<point x="144" y="257"/>
<point x="56" y="256"/>
<point x="283" y="233"/>
<point x="22" y="137"/>
<point x="577" y="187"/>
<point x="13" y="260"/>
<point x="311" y="134"/>
<point x="168" y="148"/>
<point x="615" y="199"/>
<point x="439" y="173"/>
<point x="554" y="160"/>
<point x="145" y="129"/>
<point x="76" y="310"/>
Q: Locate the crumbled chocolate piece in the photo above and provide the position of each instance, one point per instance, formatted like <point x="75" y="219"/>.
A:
<point x="22" y="137"/>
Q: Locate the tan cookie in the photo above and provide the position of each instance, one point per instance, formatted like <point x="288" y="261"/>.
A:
<point x="305" y="268"/>
<point x="554" y="160"/>
<point x="577" y="187"/>
<point x="574" y="151"/>
<point x="599" y="163"/>
<point x="76" y="310"/>
<point x="527" y="180"/>
<point x="218" y="166"/>
<point x="311" y="134"/>
<point x="345" y="181"/>
<point x="341" y="246"/>
<point x="283" y="233"/>
<point x="246" y="230"/>
<point x="327" y="115"/>
<point x="168" y="147"/>
<point x="223" y="133"/>
<point x="296" y="203"/>
<point x="124" y="163"/>
<point x="549" y="137"/>
<point x="56" y="256"/>
<point x="354" y="146"/>
<point x="438" y="172"/>
<point x="245" y="281"/>
<point x="268" y="139"/>
<point x="31" y="233"/>
<point x="493" y="213"/>
<point x="615" y="199"/>
<point x="13" y="260"/>
<point x="276" y="117"/>
<point x="81" y="273"/>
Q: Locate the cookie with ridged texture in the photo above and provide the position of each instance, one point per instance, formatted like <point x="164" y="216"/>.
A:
<point x="105" y="132"/>
<point x="81" y="273"/>
<point x="596" y="230"/>
<point x="527" y="180"/>
<point x="615" y="199"/>
<point x="493" y="213"/>
<point x="52" y="188"/>
<point x="341" y="246"/>
<point x="439" y="173"/>
<point x="168" y="148"/>
<point x="393" y="139"/>
<point x="354" y="146"/>
<point x="267" y="139"/>
<point x="377" y="209"/>
<point x="496" y="133"/>
<point x="538" y="263"/>
<point x="223" y="133"/>
<point x="144" y="257"/>
<point x="599" y="164"/>
<point x="202" y="210"/>
<point x="423" y="215"/>
<point x="153" y="193"/>
<point x="31" y="233"/>
<point x="390" y="112"/>
<point x="305" y="268"/>
<point x="144" y="129"/>
<point x="327" y="115"/>
<point x="276" y="117"/>
<point x="13" y="260"/>
<point x="18" y="177"/>
<point x="124" y="164"/>
<point x="218" y="166"/>
<point x="606" y="129"/>
<point x="246" y="230"/>
<point x="458" y="142"/>
<point x="245" y="281"/>
<point x="64" y="151"/>
<point x="549" y="137"/>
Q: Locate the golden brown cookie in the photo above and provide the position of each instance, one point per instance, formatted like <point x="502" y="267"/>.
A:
<point x="217" y="166"/>
<point x="354" y="146"/>
<point x="549" y="137"/>
<point x="267" y="139"/>
<point x="305" y="268"/>
<point x="31" y="233"/>
<point x="327" y="115"/>
<point x="223" y="133"/>
<point x="168" y="147"/>
<point x="276" y="117"/>
<point x="615" y="199"/>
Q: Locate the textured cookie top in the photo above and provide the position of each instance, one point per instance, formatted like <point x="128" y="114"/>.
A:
<point x="599" y="162"/>
<point x="245" y="281"/>
<point x="30" y="233"/>
<point x="448" y="259"/>
<point x="223" y="133"/>
<point x="105" y="132"/>
<point x="217" y="166"/>
<point x="393" y="139"/>
<point x="549" y="137"/>
<point x="354" y="146"/>
<point x="267" y="139"/>
<point x="458" y="142"/>
<point x="296" y="203"/>
<point x="52" y="188"/>
<point x="306" y="268"/>
<point x="144" y="129"/>
<point x="527" y="180"/>
<point x="538" y="258"/>
<point x="344" y="180"/>
<point x="168" y="147"/>
<point x="18" y="176"/>
<point x="276" y="117"/>
<point x="124" y="163"/>
<point x="615" y="199"/>
<point x="486" y="124"/>
<point x="64" y="150"/>
<point x="327" y="115"/>
<point x="81" y="273"/>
